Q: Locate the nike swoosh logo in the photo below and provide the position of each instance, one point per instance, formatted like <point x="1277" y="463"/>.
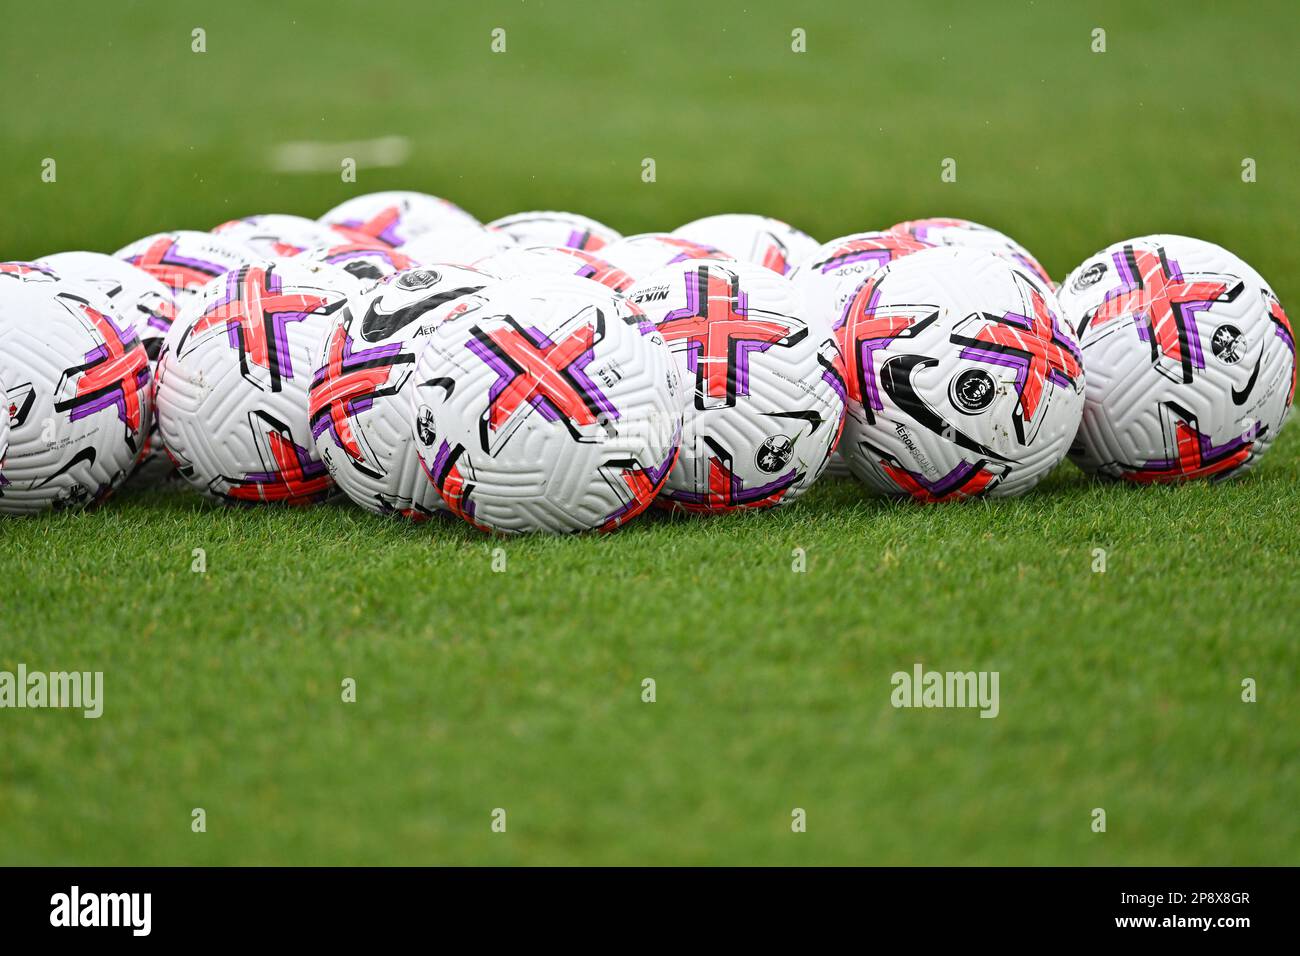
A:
<point x="1239" y="397"/>
<point x="448" y="383"/>
<point x="86" y="455"/>
<point x="812" y="417"/>
<point x="896" y="380"/>
<point x="380" y="325"/>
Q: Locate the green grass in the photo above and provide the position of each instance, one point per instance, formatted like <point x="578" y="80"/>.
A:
<point x="521" y="689"/>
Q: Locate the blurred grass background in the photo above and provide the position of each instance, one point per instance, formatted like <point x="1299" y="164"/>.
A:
<point x="478" y="690"/>
<point x="1066" y="149"/>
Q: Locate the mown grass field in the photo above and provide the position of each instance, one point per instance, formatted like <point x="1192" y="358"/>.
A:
<point x="521" y="689"/>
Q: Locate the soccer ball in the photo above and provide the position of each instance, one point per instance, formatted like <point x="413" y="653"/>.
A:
<point x="765" y="241"/>
<point x="276" y="235"/>
<point x="555" y="229"/>
<point x="555" y="260"/>
<point x="962" y="232"/>
<point x="767" y="401"/>
<point x="234" y="376"/>
<point x="77" y="386"/>
<point x="648" y="252"/>
<point x="368" y="261"/>
<point x="359" y="407"/>
<point x="962" y="377"/>
<point x="397" y="217"/>
<point x="549" y="404"/>
<point x="185" y="260"/>
<point x="1190" y="361"/>
<point x="828" y="277"/>
<point x="138" y="298"/>
<point x="462" y="245"/>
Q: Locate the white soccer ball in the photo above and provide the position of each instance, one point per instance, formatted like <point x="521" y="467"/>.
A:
<point x="762" y="240"/>
<point x="234" y="376"/>
<point x="766" y="401"/>
<point x="648" y="252"/>
<point x="549" y="404"/>
<point x="940" y="231"/>
<point x="278" y="235"/>
<point x="962" y="377"/>
<point x="396" y="217"/>
<point x="1190" y="361"/>
<point x="368" y="261"/>
<point x="555" y="261"/>
<point x="359" y="407"/>
<point x="185" y="260"/>
<point x="461" y="244"/>
<point x="78" y="393"/>
<point x="566" y="229"/>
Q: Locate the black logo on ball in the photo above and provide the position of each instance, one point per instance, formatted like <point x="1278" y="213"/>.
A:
<point x="972" y="390"/>
<point x="418" y="279"/>
<point x="1229" y="344"/>
<point x="1089" y="276"/>
<point x="774" y="454"/>
<point x="424" y="429"/>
